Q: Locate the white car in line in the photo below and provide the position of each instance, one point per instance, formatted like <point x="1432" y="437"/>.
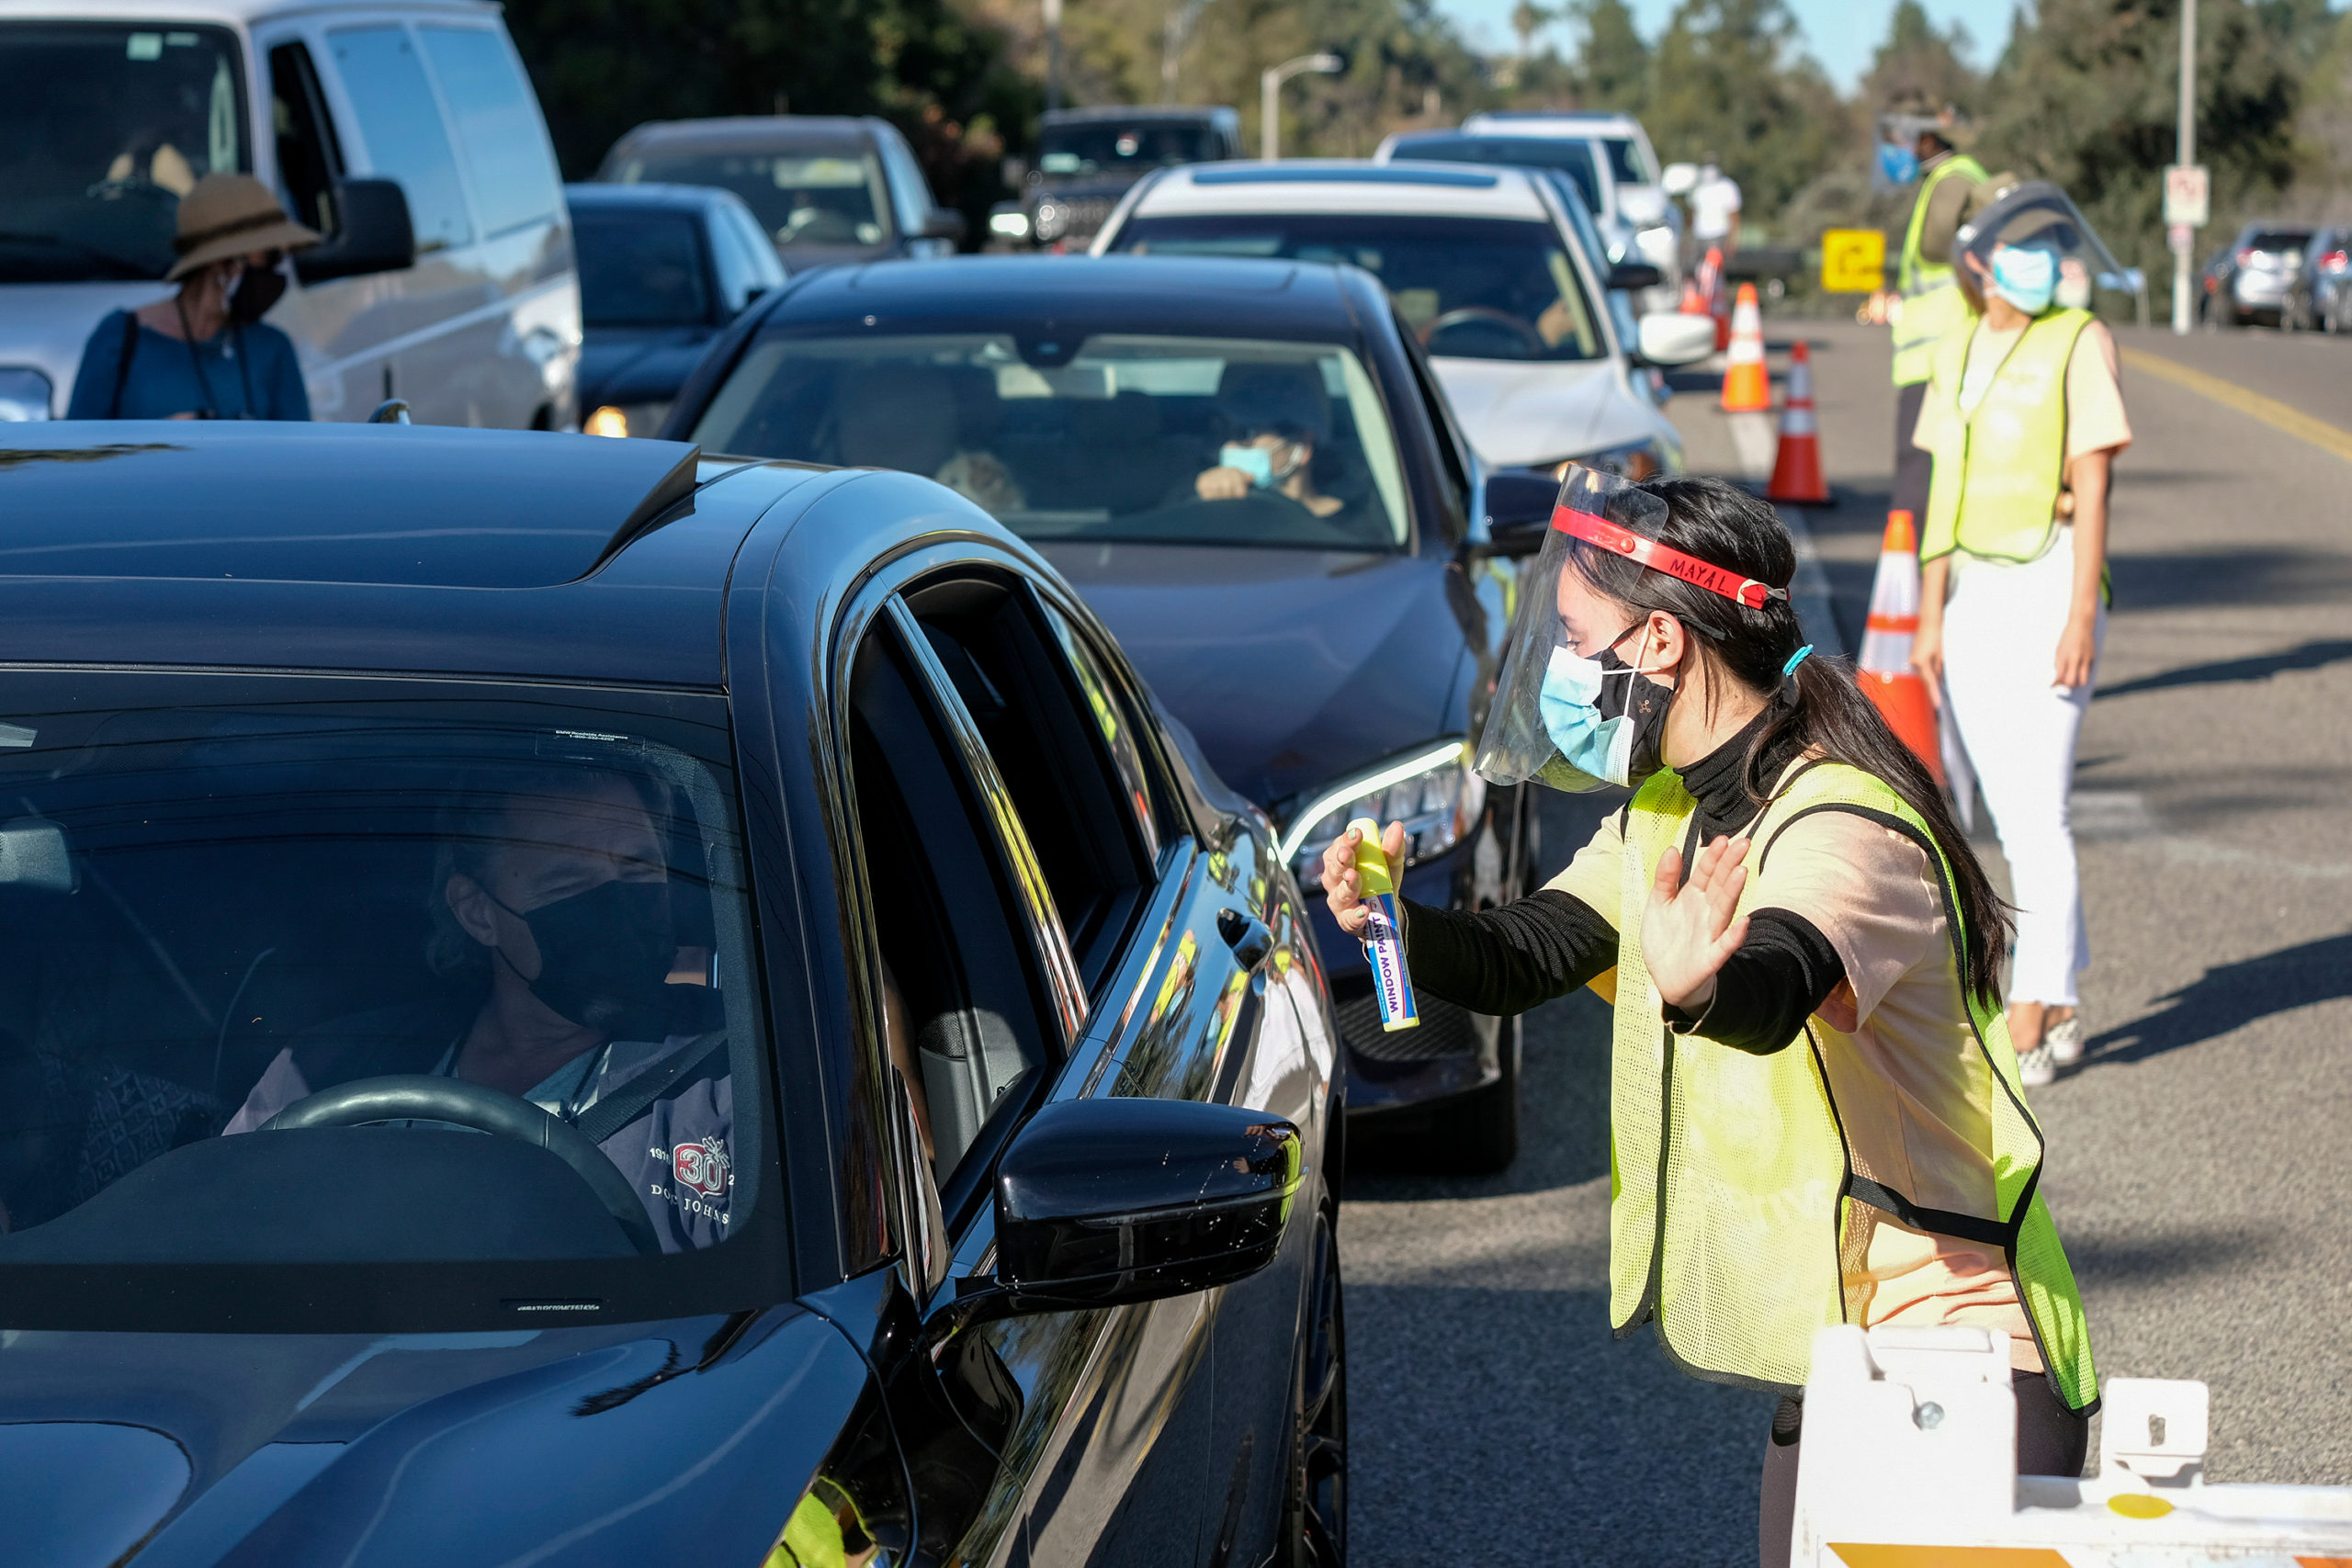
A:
<point x="1496" y="273"/>
<point x="1636" y="184"/>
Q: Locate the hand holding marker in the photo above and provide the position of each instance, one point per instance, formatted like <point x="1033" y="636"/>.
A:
<point x="1359" y="884"/>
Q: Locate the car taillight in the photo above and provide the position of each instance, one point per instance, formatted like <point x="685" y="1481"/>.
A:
<point x="2335" y="261"/>
<point x="2244" y="257"/>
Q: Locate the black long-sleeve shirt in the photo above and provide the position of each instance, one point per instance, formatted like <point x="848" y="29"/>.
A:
<point x="1507" y="960"/>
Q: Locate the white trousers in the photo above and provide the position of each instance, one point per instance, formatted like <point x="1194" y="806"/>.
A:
<point x="2001" y="628"/>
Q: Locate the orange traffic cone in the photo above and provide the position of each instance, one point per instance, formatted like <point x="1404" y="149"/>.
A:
<point x="1746" y="386"/>
<point x="1884" y="670"/>
<point x="1796" y="472"/>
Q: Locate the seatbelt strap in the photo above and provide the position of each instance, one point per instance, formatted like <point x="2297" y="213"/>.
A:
<point x="618" y="1110"/>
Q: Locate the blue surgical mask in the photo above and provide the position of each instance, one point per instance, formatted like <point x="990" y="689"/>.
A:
<point x="2026" y="276"/>
<point x="1604" y="716"/>
<point x="1898" y="163"/>
<point x="1255" y="461"/>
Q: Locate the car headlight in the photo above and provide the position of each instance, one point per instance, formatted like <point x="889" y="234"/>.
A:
<point x="1432" y="791"/>
<point x="1645" y="459"/>
<point x="24" y="394"/>
<point x="1012" y="225"/>
<point x="627" y="419"/>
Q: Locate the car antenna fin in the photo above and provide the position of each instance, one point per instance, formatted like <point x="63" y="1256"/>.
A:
<point x="659" y="505"/>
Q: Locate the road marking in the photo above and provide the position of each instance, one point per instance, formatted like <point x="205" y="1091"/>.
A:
<point x="2281" y="417"/>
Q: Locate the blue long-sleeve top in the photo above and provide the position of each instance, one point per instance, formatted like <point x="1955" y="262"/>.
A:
<point x="241" y="372"/>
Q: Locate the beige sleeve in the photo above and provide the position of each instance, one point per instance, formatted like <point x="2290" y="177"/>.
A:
<point x="2094" y="418"/>
<point x="1867" y="888"/>
<point x="1596" y="876"/>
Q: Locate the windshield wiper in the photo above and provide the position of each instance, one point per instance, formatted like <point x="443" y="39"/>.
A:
<point x="124" y="269"/>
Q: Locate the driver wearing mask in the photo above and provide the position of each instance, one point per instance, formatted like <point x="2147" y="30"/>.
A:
<point x="1280" y="414"/>
<point x="552" y="910"/>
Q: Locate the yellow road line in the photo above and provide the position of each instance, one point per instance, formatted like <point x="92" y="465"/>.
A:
<point x="2279" y="416"/>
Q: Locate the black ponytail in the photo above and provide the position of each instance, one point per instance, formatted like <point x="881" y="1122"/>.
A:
<point x="1817" y="708"/>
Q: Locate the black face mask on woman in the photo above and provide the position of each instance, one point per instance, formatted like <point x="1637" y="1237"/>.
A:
<point x="257" y="291"/>
<point x="604" y="958"/>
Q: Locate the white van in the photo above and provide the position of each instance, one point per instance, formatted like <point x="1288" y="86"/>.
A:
<point x="404" y="130"/>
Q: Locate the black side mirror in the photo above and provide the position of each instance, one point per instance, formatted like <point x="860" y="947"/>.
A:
<point x="372" y="233"/>
<point x="945" y="224"/>
<point x="1518" y="511"/>
<point x="1102" y="1202"/>
<point x="1634" y="275"/>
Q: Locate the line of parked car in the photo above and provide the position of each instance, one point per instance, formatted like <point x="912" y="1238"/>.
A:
<point x="904" y="777"/>
<point x="2296" y="276"/>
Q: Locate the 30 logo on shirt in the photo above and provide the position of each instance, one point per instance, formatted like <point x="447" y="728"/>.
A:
<point x="701" y="1167"/>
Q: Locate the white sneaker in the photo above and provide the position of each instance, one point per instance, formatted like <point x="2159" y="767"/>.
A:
<point x="2065" y="1040"/>
<point x="2037" y="1067"/>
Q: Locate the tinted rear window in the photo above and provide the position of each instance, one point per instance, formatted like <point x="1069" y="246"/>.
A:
<point x="2280" y="239"/>
<point x="641" y="269"/>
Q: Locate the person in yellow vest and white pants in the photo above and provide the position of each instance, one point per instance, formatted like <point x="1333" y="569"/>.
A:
<point x="2026" y="417"/>
<point x="1814" y="1111"/>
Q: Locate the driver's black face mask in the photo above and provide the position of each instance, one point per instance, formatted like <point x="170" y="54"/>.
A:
<point x="1640" y="700"/>
<point x="604" y="958"/>
<point x="257" y="290"/>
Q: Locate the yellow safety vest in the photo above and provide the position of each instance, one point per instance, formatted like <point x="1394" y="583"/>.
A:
<point x="1999" y="466"/>
<point x="1734" y="1194"/>
<point x="1932" y="303"/>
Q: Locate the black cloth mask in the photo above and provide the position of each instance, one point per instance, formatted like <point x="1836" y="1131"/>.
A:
<point x="1643" y="702"/>
<point x="257" y="291"/>
<point x="604" y="958"/>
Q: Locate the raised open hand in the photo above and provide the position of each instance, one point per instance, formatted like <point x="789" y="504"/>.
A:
<point x="1343" y="885"/>
<point x="1688" y="929"/>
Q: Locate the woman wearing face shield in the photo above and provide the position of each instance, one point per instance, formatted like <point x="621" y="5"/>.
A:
<point x="204" y="353"/>
<point x="2025" y="418"/>
<point x="1814" y="1111"/>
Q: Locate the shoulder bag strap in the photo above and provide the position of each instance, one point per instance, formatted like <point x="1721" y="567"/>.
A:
<point x="123" y="364"/>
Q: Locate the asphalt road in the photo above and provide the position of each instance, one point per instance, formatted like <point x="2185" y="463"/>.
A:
<point x="2199" y="1165"/>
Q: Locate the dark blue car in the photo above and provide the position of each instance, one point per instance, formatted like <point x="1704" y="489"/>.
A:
<point x="565" y="1002"/>
<point x="1248" y="469"/>
<point x="661" y="269"/>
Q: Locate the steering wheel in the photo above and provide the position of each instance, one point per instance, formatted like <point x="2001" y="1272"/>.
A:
<point x="421" y="1097"/>
<point x="1528" y="338"/>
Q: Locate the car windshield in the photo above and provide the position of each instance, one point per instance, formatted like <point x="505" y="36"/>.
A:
<point x="1573" y="159"/>
<point x="106" y="126"/>
<point x="2279" y="242"/>
<point x="1066" y="151"/>
<point x="639" y="268"/>
<point x="390" y="918"/>
<point x="1471" y="287"/>
<point x="812" y="198"/>
<point x="1174" y="440"/>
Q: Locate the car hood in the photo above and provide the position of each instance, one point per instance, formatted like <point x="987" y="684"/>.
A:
<point x="1291" y="668"/>
<point x="679" y="1441"/>
<point x="1516" y="412"/>
<point x="638" y="364"/>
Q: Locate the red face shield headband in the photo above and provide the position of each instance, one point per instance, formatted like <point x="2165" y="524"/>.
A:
<point x="1608" y="535"/>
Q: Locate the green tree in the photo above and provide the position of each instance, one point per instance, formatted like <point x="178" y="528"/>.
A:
<point x="1613" y="66"/>
<point x="1726" y="79"/>
<point x="1919" y="65"/>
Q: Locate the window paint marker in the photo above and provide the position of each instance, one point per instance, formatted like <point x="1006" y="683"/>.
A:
<point x="1383" y="939"/>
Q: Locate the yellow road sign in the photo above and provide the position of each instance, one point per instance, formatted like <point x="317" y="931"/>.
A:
<point x="1853" y="261"/>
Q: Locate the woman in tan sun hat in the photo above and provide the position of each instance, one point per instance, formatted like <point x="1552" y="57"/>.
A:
<point x="204" y="353"/>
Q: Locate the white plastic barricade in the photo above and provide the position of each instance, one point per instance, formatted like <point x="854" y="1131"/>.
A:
<point x="1910" y="1462"/>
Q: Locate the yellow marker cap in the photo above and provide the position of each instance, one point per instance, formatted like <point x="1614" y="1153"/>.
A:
<point x="1372" y="861"/>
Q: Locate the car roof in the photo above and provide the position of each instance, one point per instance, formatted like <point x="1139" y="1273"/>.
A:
<point x="116" y="12"/>
<point x="1142" y="114"/>
<point x="379" y="546"/>
<point x="647" y="192"/>
<point x="1188" y="296"/>
<point x="1342" y="185"/>
<point x="754" y="133"/>
<point x="1596" y="122"/>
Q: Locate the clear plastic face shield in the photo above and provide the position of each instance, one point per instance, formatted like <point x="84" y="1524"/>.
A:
<point x="1575" y="706"/>
<point x="2033" y="246"/>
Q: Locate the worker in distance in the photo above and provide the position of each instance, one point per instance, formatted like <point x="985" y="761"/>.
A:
<point x="1815" y="1114"/>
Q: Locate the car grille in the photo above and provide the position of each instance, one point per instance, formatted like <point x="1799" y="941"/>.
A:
<point x="1446" y="1030"/>
<point x="1071" y="218"/>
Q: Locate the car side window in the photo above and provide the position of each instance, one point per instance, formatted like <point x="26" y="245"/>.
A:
<point x="498" y="125"/>
<point x="401" y="122"/>
<point x="309" y="157"/>
<point x="1117" y="725"/>
<point x="730" y="261"/>
<point x="910" y="191"/>
<point x="1451" y="457"/>
<point x="1046" y="743"/>
<point x="965" y="1021"/>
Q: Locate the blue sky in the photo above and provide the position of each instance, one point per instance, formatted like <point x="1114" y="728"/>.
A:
<point x="1841" y="34"/>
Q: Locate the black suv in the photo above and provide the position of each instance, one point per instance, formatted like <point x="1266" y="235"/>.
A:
<point x="1087" y="159"/>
